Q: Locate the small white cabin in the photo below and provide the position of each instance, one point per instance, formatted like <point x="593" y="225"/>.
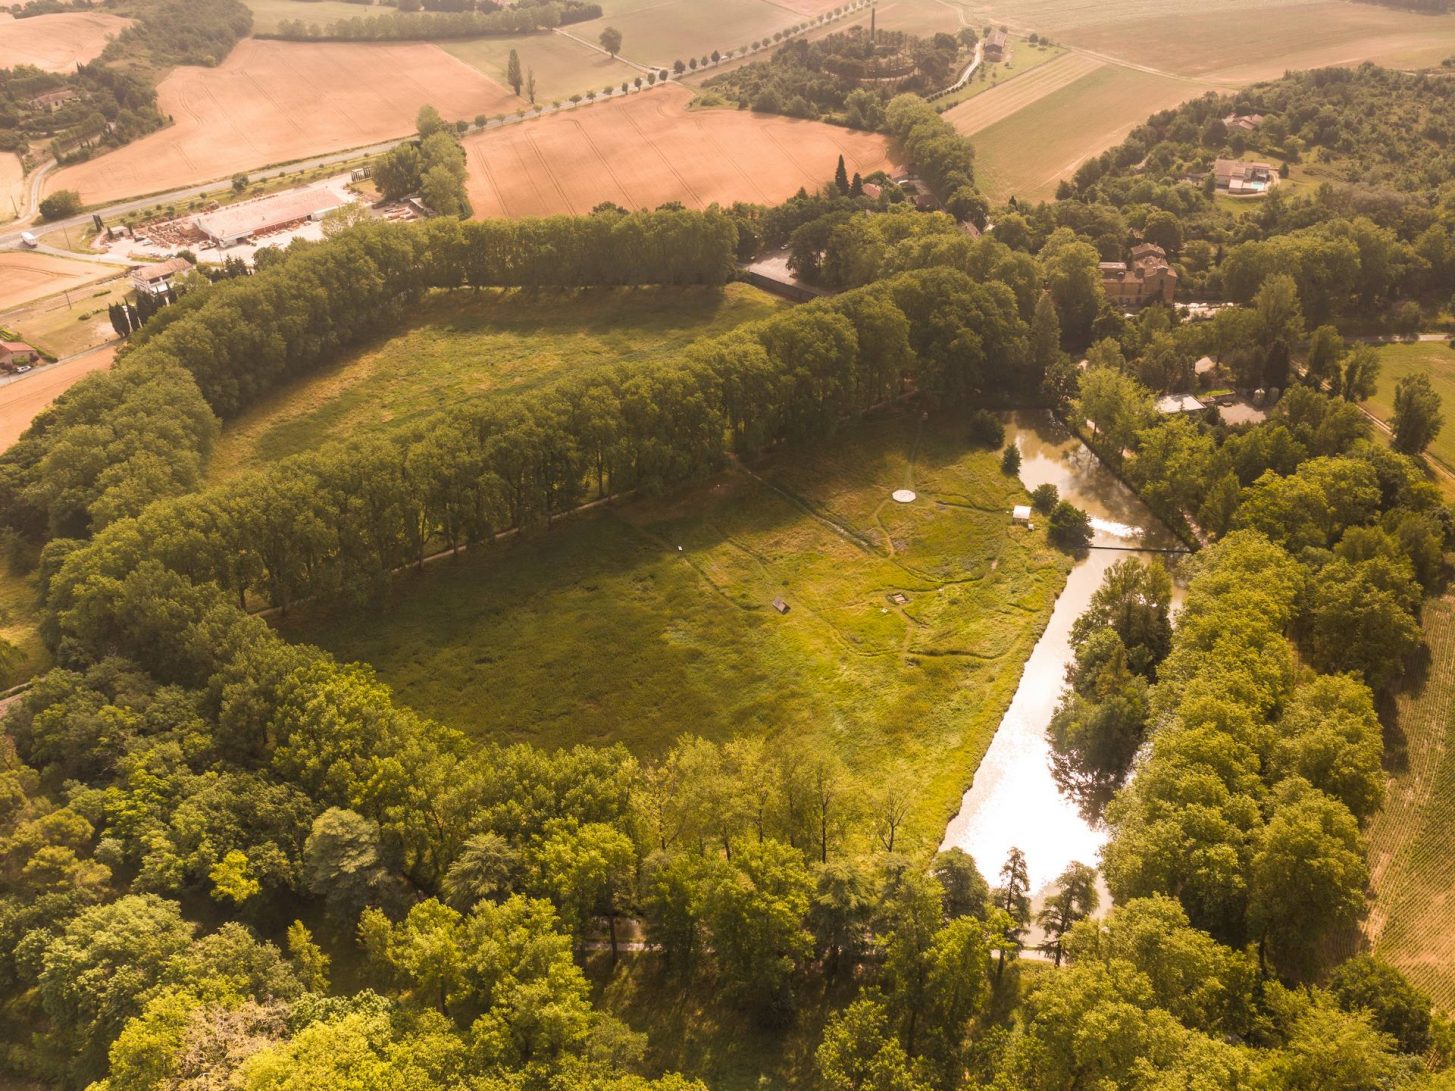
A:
<point x="1021" y="513"/>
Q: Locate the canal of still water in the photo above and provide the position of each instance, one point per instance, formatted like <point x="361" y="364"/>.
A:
<point x="1014" y="800"/>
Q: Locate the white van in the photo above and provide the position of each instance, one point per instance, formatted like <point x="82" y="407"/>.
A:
<point x="29" y="240"/>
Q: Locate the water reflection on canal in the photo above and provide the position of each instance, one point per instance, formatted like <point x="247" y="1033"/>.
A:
<point x="1013" y="800"/>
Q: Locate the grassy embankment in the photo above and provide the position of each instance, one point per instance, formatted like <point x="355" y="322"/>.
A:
<point x="601" y="630"/>
<point x="462" y="345"/>
<point x="1412" y="841"/>
<point x="1435" y="359"/>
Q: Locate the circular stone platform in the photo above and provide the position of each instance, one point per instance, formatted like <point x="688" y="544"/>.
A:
<point x="904" y="496"/>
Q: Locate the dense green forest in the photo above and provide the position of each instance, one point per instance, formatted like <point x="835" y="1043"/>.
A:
<point x="233" y="861"/>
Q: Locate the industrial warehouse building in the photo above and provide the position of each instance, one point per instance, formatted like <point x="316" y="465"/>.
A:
<point x="239" y="223"/>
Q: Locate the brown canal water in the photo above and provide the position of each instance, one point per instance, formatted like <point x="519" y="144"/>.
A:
<point x="1013" y="800"/>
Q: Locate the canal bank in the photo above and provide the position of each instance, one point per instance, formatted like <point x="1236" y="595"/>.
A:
<point x="1014" y="800"/>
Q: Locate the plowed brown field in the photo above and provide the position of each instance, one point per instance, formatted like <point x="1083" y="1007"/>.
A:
<point x="57" y="43"/>
<point x="273" y="102"/>
<point x="649" y="149"/>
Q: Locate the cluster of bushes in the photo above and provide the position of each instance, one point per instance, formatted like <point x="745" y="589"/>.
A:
<point x="845" y="75"/>
<point x="432" y="167"/>
<point x="938" y="154"/>
<point x="405" y="25"/>
<point x="172" y="32"/>
<point x="120" y="439"/>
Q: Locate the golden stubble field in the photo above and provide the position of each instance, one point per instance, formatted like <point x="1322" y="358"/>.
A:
<point x="275" y="102"/>
<point x="26" y="277"/>
<point x="648" y="149"/>
<point x="57" y="43"/>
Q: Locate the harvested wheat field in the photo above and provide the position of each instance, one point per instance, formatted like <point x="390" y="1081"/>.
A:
<point x="57" y="43"/>
<point x="26" y="276"/>
<point x="22" y="399"/>
<point x="1018" y="92"/>
<point x="649" y="149"/>
<point x="274" y="102"/>
<point x="1412" y="840"/>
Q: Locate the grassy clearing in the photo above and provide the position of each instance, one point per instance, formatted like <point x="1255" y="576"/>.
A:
<point x="562" y="67"/>
<point x="1412" y="841"/>
<point x="601" y="630"/>
<point x="1435" y="359"/>
<point x="462" y="345"/>
<point x="1027" y="153"/>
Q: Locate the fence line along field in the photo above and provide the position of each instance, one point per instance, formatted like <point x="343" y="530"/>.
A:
<point x="648" y="149"/>
<point x="464" y="345"/>
<point x="273" y="102"/>
<point x="602" y="630"/>
<point x="59" y="42"/>
<point x="1412" y="840"/>
<point x="1027" y="152"/>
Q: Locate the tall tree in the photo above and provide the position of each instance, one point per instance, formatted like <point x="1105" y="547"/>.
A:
<point x="1075" y="900"/>
<point x="1417" y="416"/>
<point x="512" y="72"/>
<point x="610" y="39"/>
<point x="841" y="177"/>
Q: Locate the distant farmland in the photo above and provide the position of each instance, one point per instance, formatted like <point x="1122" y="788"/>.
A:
<point x="649" y="149"/>
<point x="57" y="43"/>
<point x="661" y="31"/>
<point x="274" y="102"/>
<point x="1025" y="152"/>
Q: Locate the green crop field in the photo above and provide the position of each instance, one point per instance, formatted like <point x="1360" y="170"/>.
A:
<point x="1027" y="153"/>
<point x="462" y="344"/>
<point x="1435" y="359"/>
<point x="655" y="619"/>
<point x="1412" y="840"/>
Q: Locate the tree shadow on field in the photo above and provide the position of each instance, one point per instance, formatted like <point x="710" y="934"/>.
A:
<point x="1396" y="743"/>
